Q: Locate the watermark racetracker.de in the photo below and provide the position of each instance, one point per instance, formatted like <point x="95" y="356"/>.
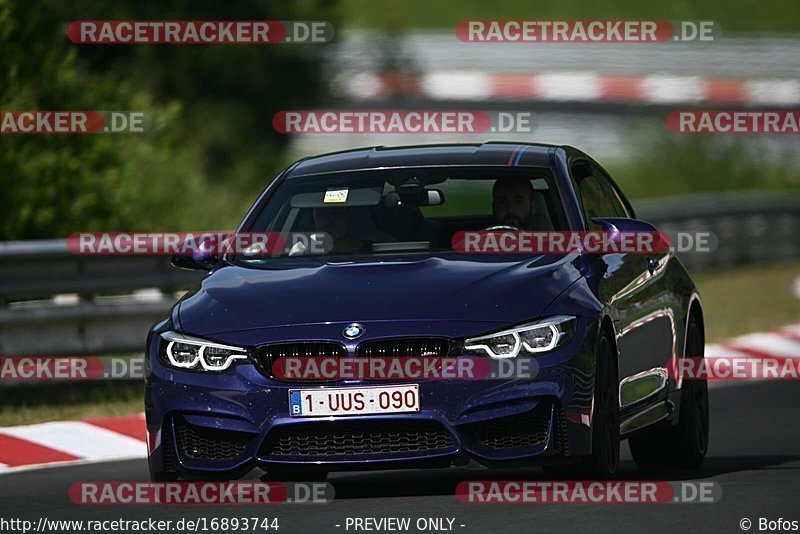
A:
<point x="587" y="31"/>
<point x="403" y="121"/>
<point x="199" y="32"/>
<point x="587" y="492"/>
<point x="73" y="122"/>
<point x="769" y="122"/>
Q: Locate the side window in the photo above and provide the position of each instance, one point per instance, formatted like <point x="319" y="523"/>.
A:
<point x="593" y="199"/>
<point x="595" y="203"/>
<point x="617" y="203"/>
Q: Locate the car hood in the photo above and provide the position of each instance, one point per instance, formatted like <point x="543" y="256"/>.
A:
<point x="235" y="298"/>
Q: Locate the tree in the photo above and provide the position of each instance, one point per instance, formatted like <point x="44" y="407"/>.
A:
<point x="211" y="148"/>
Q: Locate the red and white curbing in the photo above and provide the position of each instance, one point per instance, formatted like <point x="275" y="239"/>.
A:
<point x="71" y="442"/>
<point x="656" y="89"/>
<point x="123" y="438"/>
<point x="781" y="344"/>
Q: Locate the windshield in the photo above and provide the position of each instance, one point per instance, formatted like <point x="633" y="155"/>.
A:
<point x="391" y="211"/>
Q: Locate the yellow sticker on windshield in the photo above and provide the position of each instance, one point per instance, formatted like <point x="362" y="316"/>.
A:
<point x="335" y="196"/>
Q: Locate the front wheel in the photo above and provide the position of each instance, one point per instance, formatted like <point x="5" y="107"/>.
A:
<point x="683" y="445"/>
<point x="603" y="462"/>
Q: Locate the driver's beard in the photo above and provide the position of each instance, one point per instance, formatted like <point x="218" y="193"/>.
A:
<point x="513" y="220"/>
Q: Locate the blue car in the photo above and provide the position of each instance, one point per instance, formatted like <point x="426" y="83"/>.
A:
<point x="570" y="351"/>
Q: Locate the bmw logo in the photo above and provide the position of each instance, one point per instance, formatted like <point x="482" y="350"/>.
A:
<point x="353" y="331"/>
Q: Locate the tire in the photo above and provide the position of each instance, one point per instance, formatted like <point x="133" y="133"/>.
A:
<point x="603" y="462"/>
<point x="681" y="446"/>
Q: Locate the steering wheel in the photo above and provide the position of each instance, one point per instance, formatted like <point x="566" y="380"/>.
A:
<point x="501" y="227"/>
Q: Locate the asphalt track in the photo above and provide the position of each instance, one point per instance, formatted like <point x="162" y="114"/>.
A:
<point x="754" y="455"/>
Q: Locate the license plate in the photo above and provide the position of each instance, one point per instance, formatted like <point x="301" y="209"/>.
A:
<point x="334" y="402"/>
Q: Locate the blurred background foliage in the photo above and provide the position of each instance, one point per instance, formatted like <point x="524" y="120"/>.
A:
<point x="666" y="164"/>
<point x="211" y="149"/>
<point x="733" y="15"/>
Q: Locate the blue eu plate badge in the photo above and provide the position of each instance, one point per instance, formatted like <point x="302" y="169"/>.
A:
<point x="295" y="403"/>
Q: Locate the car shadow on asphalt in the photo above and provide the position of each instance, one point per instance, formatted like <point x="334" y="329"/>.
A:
<point x="409" y="483"/>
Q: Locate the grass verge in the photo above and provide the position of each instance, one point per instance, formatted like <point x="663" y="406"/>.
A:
<point x="748" y="299"/>
<point x="734" y="15"/>
<point x="56" y="401"/>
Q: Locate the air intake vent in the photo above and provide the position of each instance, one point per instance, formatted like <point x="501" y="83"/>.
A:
<point x="524" y="430"/>
<point x="349" y="439"/>
<point x="201" y="443"/>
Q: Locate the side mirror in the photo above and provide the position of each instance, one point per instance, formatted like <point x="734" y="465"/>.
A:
<point x="199" y="261"/>
<point x="623" y="225"/>
<point x="621" y="229"/>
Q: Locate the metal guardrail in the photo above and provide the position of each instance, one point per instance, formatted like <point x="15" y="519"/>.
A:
<point x="55" y="303"/>
<point x="35" y="269"/>
<point x="748" y="227"/>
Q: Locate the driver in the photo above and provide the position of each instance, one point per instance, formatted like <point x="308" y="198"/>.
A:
<point x="513" y="203"/>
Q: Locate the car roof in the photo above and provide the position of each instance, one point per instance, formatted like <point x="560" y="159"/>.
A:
<point x="461" y="154"/>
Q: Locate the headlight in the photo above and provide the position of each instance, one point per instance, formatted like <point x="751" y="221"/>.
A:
<point x="541" y="336"/>
<point x="187" y="352"/>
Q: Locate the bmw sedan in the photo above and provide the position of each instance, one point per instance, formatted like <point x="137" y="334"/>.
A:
<point x="371" y="338"/>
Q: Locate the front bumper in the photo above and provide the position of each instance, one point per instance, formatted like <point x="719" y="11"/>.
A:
<point x="233" y="421"/>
